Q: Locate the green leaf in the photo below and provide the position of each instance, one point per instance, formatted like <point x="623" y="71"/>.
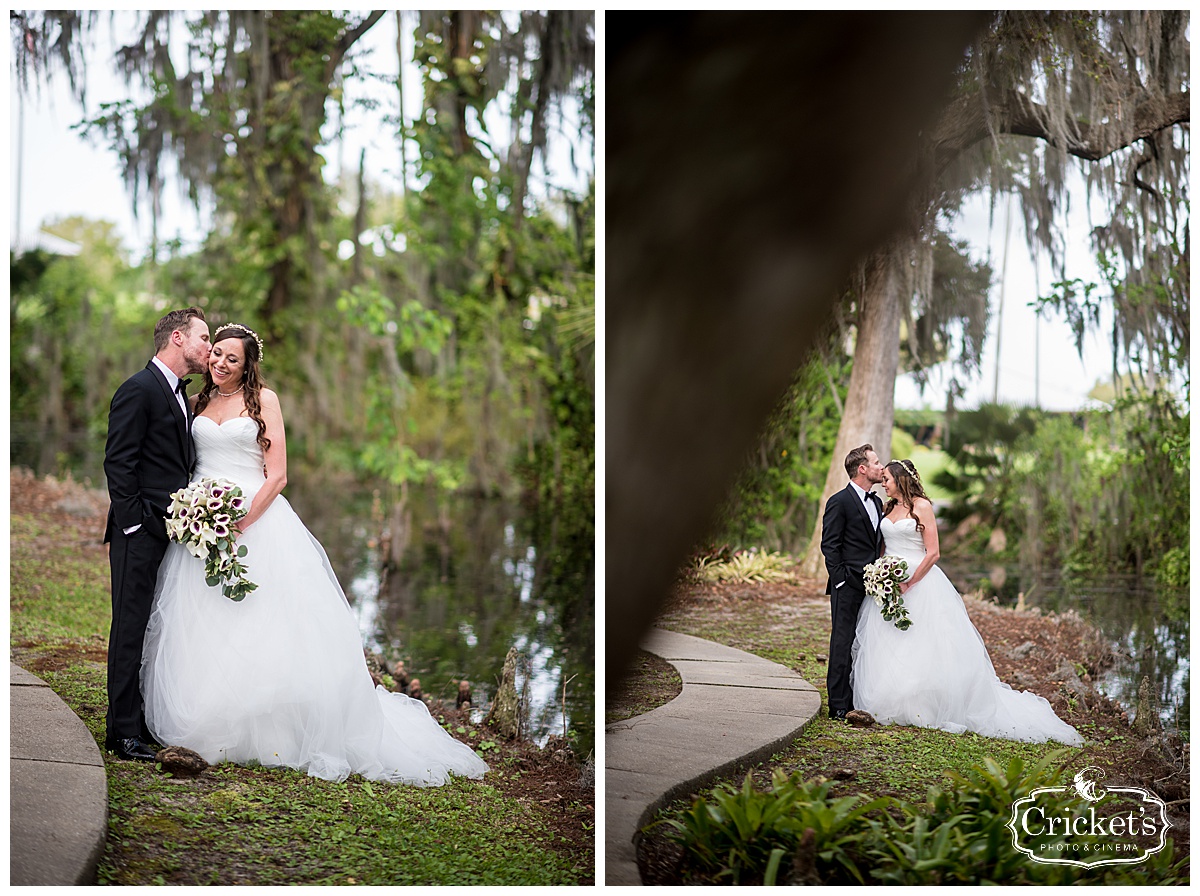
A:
<point x="773" y="867"/>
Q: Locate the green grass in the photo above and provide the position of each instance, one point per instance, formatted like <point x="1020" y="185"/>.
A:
<point x="795" y="640"/>
<point x="59" y="585"/>
<point x="884" y="760"/>
<point x="900" y="761"/>
<point x="238" y="825"/>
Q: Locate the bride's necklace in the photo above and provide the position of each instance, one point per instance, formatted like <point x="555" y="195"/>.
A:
<point x="233" y="393"/>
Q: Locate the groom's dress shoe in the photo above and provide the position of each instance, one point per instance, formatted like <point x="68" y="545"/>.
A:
<point x="838" y="714"/>
<point x="129" y="748"/>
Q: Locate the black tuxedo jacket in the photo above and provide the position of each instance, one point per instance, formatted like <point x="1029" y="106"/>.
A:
<point x="149" y="452"/>
<point x="848" y="540"/>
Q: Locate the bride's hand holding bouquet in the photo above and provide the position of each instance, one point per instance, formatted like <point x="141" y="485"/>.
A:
<point x="203" y="518"/>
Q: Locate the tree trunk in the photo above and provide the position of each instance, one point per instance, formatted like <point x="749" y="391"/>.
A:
<point x="400" y="60"/>
<point x="870" y="401"/>
<point x="461" y="42"/>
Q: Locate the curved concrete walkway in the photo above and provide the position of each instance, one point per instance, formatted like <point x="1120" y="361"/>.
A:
<point x="58" y="791"/>
<point x="735" y="709"/>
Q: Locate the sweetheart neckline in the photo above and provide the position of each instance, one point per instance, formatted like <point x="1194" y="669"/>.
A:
<point x="223" y="422"/>
<point x="899" y="521"/>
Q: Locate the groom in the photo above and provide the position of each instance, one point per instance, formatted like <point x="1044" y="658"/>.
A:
<point x="850" y="540"/>
<point x="149" y="454"/>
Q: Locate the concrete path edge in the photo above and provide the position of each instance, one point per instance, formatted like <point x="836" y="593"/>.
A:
<point x="733" y="692"/>
<point x="58" y="789"/>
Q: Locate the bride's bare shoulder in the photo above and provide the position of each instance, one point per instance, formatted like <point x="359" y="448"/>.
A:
<point x="270" y="403"/>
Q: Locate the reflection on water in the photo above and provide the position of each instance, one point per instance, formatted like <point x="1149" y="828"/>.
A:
<point x="1148" y="628"/>
<point x="476" y="578"/>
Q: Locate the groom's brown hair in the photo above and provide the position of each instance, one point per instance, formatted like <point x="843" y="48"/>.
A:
<point x="180" y="319"/>
<point x="856" y="458"/>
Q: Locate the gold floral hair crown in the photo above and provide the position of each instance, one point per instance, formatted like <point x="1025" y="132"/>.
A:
<point x="909" y="468"/>
<point x="245" y="329"/>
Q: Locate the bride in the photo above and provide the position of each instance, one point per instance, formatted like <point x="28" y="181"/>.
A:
<point x="936" y="674"/>
<point x="278" y="678"/>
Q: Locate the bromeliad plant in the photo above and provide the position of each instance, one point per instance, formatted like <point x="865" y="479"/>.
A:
<point x="745" y="834"/>
<point x="959" y="834"/>
<point x="745" y="566"/>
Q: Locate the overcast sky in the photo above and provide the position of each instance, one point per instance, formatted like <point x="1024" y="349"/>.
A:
<point x="1038" y="359"/>
<point x="64" y="175"/>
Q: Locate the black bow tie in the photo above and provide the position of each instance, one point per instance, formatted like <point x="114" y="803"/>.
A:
<point x="181" y="387"/>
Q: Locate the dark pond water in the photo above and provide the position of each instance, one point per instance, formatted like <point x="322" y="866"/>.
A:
<point x="476" y="578"/>
<point x="1147" y="626"/>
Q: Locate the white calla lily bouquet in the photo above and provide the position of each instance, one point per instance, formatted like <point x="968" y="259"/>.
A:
<point x="201" y="518"/>
<point x="882" y="580"/>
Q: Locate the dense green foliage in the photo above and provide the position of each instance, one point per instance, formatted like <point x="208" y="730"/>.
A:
<point x="1121" y="485"/>
<point x="433" y="332"/>
<point x="77" y="327"/>
<point x="1095" y="492"/>
<point x="958" y="835"/>
<point x="744" y="566"/>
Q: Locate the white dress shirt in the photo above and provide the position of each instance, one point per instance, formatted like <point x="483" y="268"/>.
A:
<point x="173" y="382"/>
<point x="872" y="511"/>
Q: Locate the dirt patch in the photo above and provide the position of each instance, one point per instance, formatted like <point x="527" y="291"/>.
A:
<point x="58" y="499"/>
<point x="652" y="682"/>
<point x="57" y="658"/>
<point x="67" y="514"/>
<point x="551" y="777"/>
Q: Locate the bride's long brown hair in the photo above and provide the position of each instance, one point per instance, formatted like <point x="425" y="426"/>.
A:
<point x="909" y="483"/>
<point x="251" y="378"/>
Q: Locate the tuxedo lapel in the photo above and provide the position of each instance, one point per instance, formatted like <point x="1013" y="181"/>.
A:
<point x="864" y="515"/>
<point x="181" y="419"/>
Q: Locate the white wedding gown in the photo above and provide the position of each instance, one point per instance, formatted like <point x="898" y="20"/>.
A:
<point x="278" y="678"/>
<point x="938" y="674"/>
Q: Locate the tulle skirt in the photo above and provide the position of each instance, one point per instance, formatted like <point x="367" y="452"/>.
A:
<point x="938" y="674"/>
<point x="279" y="678"/>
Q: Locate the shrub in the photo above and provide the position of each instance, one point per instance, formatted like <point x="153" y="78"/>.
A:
<point x="744" y="834"/>
<point x="959" y="834"/>
<point x="745" y="566"/>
